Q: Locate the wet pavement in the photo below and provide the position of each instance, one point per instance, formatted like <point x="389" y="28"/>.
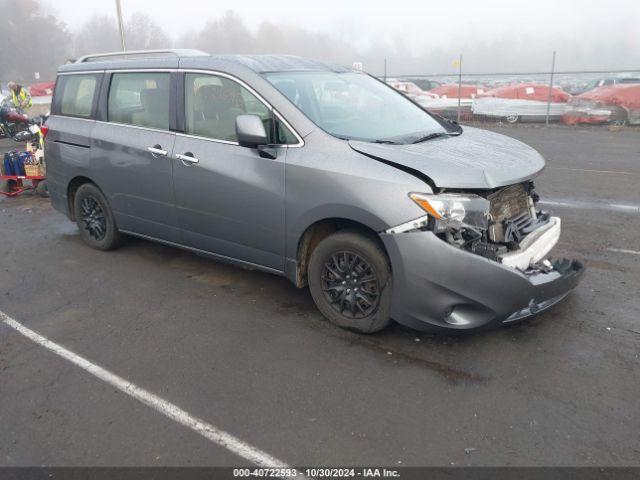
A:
<point x="248" y="352"/>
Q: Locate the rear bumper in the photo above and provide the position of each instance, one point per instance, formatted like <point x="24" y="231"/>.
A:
<point x="439" y="287"/>
<point x="58" y="196"/>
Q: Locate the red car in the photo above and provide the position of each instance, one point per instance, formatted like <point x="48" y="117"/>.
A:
<point x="466" y="91"/>
<point x="615" y="104"/>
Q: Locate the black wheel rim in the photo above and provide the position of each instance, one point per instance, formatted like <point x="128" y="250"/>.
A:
<point x="350" y="285"/>
<point x="93" y="218"/>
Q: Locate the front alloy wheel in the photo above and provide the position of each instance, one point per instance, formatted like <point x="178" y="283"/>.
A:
<point x="350" y="285"/>
<point x="350" y="281"/>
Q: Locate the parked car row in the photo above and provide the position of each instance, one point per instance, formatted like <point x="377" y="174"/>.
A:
<point x="609" y="102"/>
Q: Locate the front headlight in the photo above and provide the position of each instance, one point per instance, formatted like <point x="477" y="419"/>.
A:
<point x="454" y="210"/>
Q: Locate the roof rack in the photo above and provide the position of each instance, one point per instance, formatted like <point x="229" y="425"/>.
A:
<point x="177" y="52"/>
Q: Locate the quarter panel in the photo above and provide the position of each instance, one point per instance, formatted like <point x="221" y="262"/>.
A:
<point x="68" y="147"/>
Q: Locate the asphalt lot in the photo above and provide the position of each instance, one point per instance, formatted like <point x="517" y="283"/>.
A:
<point x="248" y="352"/>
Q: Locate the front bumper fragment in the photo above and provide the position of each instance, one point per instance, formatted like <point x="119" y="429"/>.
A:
<point x="535" y="246"/>
<point x="437" y="286"/>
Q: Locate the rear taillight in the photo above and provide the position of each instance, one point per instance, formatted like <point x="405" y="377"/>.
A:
<point x="44" y="129"/>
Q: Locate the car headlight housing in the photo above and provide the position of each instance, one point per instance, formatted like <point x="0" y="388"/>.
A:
<point x="454" y="210"/>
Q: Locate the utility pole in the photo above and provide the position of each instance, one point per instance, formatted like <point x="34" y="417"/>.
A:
<point x="459" y="84"/>
<point x="553" y="68"/>
<point x="120" y="26"/>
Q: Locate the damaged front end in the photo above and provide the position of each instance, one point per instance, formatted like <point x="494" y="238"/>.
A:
<point x="502" y="270"/>
<point x="503" y="225"/>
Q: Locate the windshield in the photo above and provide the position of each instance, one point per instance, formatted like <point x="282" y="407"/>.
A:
<point x="355" y="106"/>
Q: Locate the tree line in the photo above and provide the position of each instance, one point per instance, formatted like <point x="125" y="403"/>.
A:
<point x="35" y="40"/>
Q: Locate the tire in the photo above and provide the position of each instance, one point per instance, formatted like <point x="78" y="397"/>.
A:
<point x="42" y="189"/>
<point x="94" y="218"/>
<point x="342" y="258"/>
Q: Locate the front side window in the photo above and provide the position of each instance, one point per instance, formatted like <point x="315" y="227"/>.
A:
<point x="213" y="102"/>
<point x="78" y="93"/>
<point x="355" y="106"/>
<point x="140" y="99"/>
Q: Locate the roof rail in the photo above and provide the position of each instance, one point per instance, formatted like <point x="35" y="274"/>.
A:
<point x="178" y="52"/>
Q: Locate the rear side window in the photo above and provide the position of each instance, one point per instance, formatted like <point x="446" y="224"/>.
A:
<point x="75" y="95"/>
<point x="140" y="99"/>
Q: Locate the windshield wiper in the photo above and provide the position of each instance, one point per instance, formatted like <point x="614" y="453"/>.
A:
<point x="430" y="136"/>
<point x="386" y="142"/>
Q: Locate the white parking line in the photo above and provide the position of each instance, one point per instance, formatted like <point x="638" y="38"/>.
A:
<point x="616" y="207"/>
<point x="623" y="250"/>
<point x="168" y="409"/>
<point x="616" y="172"/>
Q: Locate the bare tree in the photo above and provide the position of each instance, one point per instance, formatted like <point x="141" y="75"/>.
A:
<point x="227" y="34"/>
<point x="142" y="32"/>
<point x="98" y="34"/>
<point x="32" y="41"/>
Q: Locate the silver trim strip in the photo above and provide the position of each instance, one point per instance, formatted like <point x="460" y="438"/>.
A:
<point x="197" y="137"/>
<point x="117" y="124"/>
<point x="73" y="118"/>
<point x="141" y="70"/>
<point x="81" y="72"/>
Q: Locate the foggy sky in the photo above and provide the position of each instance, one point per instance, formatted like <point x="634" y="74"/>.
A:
<point x="417" y="35"/>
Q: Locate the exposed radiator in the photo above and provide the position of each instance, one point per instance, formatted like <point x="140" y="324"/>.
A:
<point x="509" y="203"/>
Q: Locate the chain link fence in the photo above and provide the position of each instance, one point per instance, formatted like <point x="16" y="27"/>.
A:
<point x="569" y="98"/>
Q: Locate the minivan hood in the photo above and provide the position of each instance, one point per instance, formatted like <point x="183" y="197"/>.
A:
<point x="476" y="159"/>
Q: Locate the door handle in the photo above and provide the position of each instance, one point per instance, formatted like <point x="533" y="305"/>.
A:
<point x="187" y="158"/>
<point x="157" y="151"/>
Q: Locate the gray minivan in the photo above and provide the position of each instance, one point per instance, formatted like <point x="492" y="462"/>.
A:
<point x="313" y="171"/>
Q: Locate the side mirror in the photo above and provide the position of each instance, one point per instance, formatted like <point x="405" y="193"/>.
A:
<point x="250" y="131"/>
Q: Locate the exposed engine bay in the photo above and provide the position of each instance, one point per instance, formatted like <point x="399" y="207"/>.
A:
<point x="513" y="215"/>
<point x="503" y="225"/>
<point x="518" y="234"/>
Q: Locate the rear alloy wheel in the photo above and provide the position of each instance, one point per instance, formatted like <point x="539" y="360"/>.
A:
<point x="350" y="281"/>
<point x="94" y="218"/>
<point x="512" y="119"/>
